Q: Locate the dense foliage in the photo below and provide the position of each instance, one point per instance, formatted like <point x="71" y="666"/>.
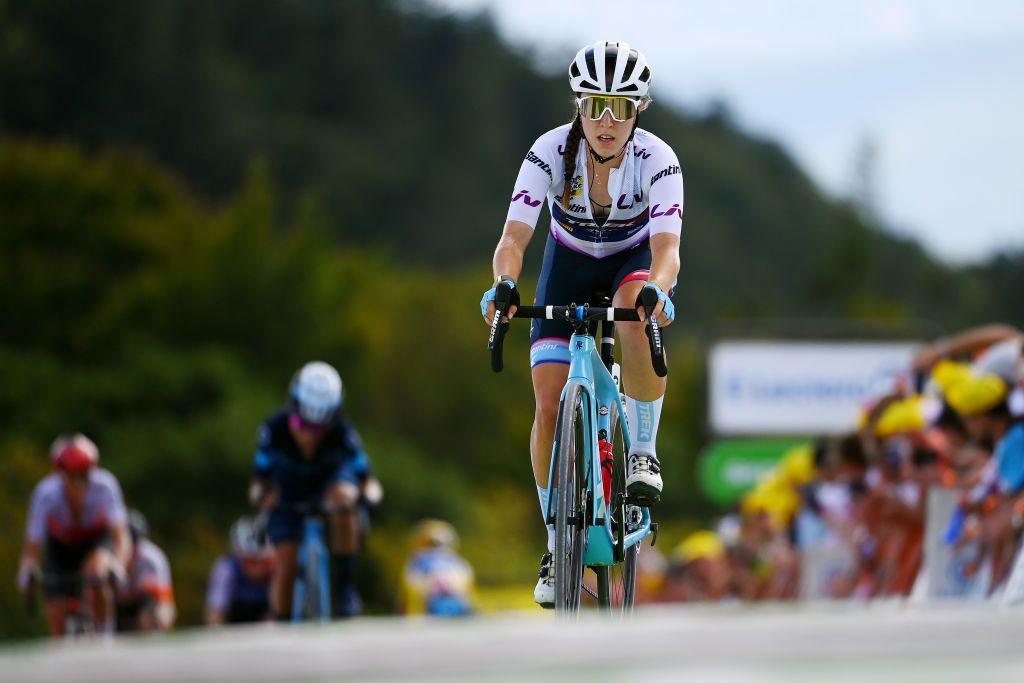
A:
<point x="197" y="197"/>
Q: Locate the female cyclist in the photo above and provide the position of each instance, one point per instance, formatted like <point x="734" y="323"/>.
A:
<point x="615" y="193"/>
<point x="309" y="450"/>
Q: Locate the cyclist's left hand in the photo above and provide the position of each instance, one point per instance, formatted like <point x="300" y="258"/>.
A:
<point x="373" y="492"/>
<point x="664" y="312"/>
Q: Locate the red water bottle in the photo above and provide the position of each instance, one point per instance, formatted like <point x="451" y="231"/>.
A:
<point x="607" y="467"/>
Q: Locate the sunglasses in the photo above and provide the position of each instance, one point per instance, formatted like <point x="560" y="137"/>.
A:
<point x="593" y="107"/>
<point x="298" y="423"/>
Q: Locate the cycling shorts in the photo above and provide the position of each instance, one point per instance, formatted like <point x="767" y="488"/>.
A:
<point x="569" y="277"/>
<point x="62" y="564"/>
<point x="285" y="524"/>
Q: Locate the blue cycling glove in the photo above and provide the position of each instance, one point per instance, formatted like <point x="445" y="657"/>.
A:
<point x="488" y="296"/>
<point x="669" y="309"/>
<point x="491" y="293"/>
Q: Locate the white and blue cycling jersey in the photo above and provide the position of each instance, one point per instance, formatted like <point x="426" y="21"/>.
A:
<point x="646" y="191"/>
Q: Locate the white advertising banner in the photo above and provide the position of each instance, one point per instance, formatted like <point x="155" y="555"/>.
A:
<point x="797" y="387"/>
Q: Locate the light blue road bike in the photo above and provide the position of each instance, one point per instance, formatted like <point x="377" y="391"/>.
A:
<point x="311" y="600"/>
<point x="592" y="529"/>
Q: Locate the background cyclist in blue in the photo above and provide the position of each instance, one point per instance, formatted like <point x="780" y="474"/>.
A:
<point x="615" y="192"/>
<point x="310" y="451"/>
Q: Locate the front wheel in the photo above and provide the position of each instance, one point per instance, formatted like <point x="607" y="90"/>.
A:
<point x="572" y="433"/>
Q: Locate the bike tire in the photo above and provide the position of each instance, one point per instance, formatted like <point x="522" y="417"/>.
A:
<point x="622" y="575"/>
<point x="314" y="587"/>
<point x="571" y="501"/>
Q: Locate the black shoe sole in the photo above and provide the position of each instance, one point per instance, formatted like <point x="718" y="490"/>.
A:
<point x="642" y="494"/>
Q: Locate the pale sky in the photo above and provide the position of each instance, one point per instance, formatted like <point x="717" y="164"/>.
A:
<point x="938" y="87"/>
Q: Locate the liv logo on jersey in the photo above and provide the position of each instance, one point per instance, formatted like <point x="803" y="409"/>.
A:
<point x="525" y="196"/>
<point x="637" y="198"/>
<point x="642" y="153"/>
<point x="674" y="209"/>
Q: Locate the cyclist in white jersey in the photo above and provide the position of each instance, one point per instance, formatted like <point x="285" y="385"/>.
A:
<point x="77" y="532"/>
<point x="615" y="192"/>
<point x="145" y="602"/>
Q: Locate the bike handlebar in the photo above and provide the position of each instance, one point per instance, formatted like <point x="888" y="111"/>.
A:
<point x="502" y="301"/>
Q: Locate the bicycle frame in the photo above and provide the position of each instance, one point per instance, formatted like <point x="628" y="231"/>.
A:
<point x="312" y="553"/>
<point x="601" y="391"/>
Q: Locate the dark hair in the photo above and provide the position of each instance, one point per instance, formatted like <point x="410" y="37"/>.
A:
<point x="1001" y="410"/>
<point x="572" y="146"/>
<point x="821" y="449"/>
<point x="949" y="420"/>
<point x="851" y="451"/>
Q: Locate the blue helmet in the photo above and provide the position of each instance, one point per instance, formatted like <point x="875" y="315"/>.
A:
<point x="316" y="393"/>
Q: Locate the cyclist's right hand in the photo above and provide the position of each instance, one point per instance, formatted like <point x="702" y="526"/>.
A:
<point x="487" y="302"/>
<point x="118" y="574"/>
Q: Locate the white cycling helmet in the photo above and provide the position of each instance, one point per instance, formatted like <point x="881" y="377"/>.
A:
<point x="316" y="393"/>
<point x="610" y="68"/>
<point x="248" y="538"/>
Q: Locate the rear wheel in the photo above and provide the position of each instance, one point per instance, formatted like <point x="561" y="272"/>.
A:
<point x="621" y="576"/>
<point x="571" y="501"/>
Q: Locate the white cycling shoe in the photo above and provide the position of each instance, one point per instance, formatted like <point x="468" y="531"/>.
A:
<point x="544" y="592"/>
<point x="643" y="479"/>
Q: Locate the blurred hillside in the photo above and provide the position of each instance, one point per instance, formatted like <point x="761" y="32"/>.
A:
<point x="197" y="197"/>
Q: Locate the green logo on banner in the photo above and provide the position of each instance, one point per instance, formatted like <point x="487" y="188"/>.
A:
<point x="730" y="468"/>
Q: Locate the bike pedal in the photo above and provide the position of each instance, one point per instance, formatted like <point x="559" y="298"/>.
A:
<point x="645" y="501"/>
<point x="644" y="496"/>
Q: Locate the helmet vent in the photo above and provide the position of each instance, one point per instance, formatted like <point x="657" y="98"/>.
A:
<point x="627" y="73"/>
<point x="591" y="65"/>
<point x="609" y="69"/>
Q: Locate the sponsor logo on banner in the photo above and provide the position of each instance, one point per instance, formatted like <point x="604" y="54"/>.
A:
<point x="796" y="387"/>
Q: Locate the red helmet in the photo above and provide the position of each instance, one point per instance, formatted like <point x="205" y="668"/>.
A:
<point x="74" y="454"/>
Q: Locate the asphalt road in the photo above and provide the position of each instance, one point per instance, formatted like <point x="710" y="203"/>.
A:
<point x="883" y="642"/>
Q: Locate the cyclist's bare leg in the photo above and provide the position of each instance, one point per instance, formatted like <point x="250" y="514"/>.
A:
<point x="548" y="382"/>
<point x="644" y="392"/>
<point x="638" y="376"/>
<point x="342" y="500"/>
<point x="96" y="573"/>
<point x="56" y="614"/>
<point x="283" y="582"/>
